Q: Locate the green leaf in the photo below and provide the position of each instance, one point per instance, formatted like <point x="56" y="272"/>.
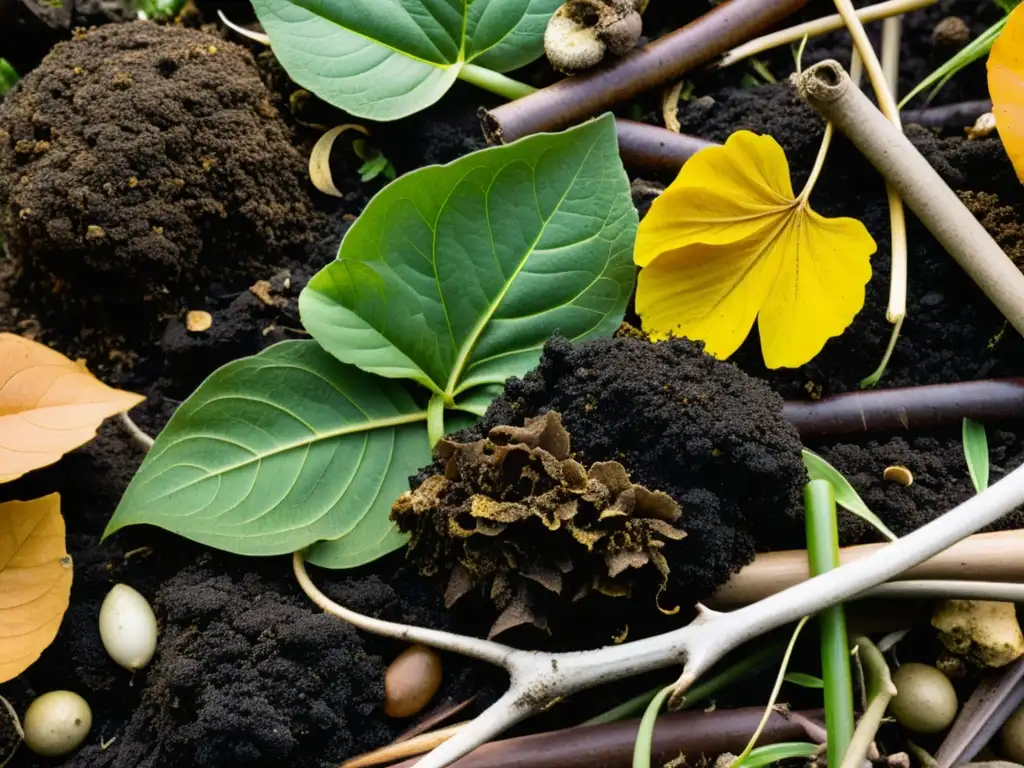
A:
<point x="976" y="453"/>
<point x="645" y="734"/>
<point x="804" y="680"/>
<point x="277" y="451"/>
<point x="846" y="496"/>
<point x="773" y="753"/>
<point x="454" y="276"/>
<point x="8" y="76"/>
<point x="385" y="59"/>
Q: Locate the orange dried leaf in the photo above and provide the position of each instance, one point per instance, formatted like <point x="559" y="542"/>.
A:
<point x="49" y="405"/>
<point x="1006" y="87"/>
<point x="728" y="243"/>
<point x="35" y="580"/>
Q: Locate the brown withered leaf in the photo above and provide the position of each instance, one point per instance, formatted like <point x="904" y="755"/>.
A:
<point x="516" y="518"/>
<point x="49" y="405"/>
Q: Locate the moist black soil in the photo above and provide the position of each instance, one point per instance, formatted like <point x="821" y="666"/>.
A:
<point x="247" y="672"/>
<point x="139" y="161"/>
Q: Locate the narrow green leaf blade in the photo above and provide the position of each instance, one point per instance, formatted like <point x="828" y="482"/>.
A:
<point x="804" y="680"/>
<point x="846" y="496"/>
<point x="385" y="60"/>
<point x="976" y="453"/>
<point x="773" y="753"/>
<point x="454" y="276"/>
<point x="277" y="451"/>
<point x="645" y="733"/>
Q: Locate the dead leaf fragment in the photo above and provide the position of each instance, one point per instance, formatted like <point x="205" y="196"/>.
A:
<point x="49" y="405"/>
<point x="1006" y="87"/>
<point x="35" y="580"/>
<point x="320" y="158"/>
<point x="198" y="320"/>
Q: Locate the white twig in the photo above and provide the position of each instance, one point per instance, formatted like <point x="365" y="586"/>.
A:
<point x="540" y="678"/>
<point x="144" y="441"/>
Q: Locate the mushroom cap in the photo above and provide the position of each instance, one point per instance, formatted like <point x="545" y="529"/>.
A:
<point x="570" y="46"/>
<point x="622" y="34"/>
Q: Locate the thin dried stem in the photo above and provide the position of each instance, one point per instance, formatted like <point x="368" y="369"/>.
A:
<point x="537" y="679"/>
<point x="817" y="27"/>
<point x="403" y="749"/>
<point x="141" y="439"/>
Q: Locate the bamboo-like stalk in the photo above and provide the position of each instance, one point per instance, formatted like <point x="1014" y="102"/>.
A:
<point x="828" y="89"/>
<point x="695" y="734"/>
<point x="984" y="557"/>
<point x="664" y="61"/>
<point x="907" y="409"/>
<point x="817" y="27"/>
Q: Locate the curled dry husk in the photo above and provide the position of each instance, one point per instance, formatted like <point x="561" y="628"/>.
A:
<point x="515" y="515"/>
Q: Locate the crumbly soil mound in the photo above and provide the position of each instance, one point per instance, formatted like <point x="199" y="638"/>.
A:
<point x="682" y="422"/>
<point x="138" y="161"/>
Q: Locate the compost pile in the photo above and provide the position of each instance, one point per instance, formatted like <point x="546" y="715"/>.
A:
<point x="138" y="162"/>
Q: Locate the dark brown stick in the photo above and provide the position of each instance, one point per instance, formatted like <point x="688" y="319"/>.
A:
<point x="651" y="148"/>
<point x="611" y="746"/>
<point x="910" y="408"/>
<point x="576" y="98"/>
<point x="948" y="116"/>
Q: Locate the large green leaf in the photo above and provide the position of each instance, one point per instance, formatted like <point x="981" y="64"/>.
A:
<point x="385" y="59"/>
<point x="455" y="276"/>
<point x="277" y="451"/>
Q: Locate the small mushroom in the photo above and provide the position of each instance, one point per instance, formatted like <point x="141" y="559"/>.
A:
<point x="581" y="31"/>
<point x="57" y="723"/>
<point x="411" y="681"/>
<point x="925" y="701"/>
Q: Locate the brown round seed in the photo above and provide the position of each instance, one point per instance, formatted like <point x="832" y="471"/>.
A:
<point x="898" y="474"/>
<point x="411" y="681"/>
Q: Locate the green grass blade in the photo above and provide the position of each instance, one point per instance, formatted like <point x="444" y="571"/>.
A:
<point x="823" y="556"/>
<point x="773" y="753"/>
<point x="804" y="680"/>
<point x="645" y="734"/>
<point x="976" y="453"/>
<point x="846" y="496"/>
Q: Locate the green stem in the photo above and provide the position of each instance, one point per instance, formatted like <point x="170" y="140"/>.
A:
<point x="875" y="377"/>
<point x="435" y="419"/>
<point x="495" y="82"/>
<point x="823" y="556"/>
<point x="645" y="733"/>
<point x="881" y="690"/>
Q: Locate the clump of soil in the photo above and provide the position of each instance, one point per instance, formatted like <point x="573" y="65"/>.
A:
<point x="681" y="422"/>
<point x="515" y="516"/>
<point x="139" y="161"/>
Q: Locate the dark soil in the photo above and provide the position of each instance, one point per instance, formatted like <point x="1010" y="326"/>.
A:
<point x="137" y="163"/>
<point x="247" y="672"/>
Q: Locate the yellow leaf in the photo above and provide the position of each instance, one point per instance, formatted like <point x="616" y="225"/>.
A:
<point x="1006" y="87"/>
<point x="49" y="405"/>
<point x="35" y="580"/>
<point x="728" y="243"/>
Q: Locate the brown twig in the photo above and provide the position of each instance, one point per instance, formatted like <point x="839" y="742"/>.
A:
<point x="434" y="719"/>
<point x="650" y="147"/>
<point x="909" y="408"/>
<point x="400" y="750"/>
<point x="695" y="734"/>
<point x="665" y="60"/>
<point x="984" y="557"/>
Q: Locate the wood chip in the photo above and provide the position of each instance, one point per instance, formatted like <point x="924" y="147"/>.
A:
<point x="262" y="290"/>
<point x="320" y="158"/>
<point x="983" y="126"/>
<point x="198" y="320"/>
<point x="670" y="106"/>
<point x="898" y="474"/>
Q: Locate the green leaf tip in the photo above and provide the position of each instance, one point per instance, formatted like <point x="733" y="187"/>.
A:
<point x="846" y="496"/>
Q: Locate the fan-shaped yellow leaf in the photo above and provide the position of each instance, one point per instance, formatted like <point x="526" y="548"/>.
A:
<point x="48" y="405"/>
<point x="1006" y="87"/>
<point x="35" y="580"/>
<point x="728" y="243"/>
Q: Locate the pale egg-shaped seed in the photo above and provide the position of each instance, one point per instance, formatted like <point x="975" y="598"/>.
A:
<point x="925" y="701"/>
<point x="1011" y="736"/>
<point x="128" y="627"/>
<point x="411" y="681"/>
<point x="57" y="723"/>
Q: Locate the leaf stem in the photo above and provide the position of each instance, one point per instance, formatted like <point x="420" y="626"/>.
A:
<point x="876" y="375"/>
<point x="645" y="733"/>
<point x="882" y="691"/>
<point x="819" y="163"/>
<point x="435" y="419"/>
<point x="823" y="556"/>
<point x="897" y="308"/>
<point x="495" y="82"/>
<point x="770" y="706"/>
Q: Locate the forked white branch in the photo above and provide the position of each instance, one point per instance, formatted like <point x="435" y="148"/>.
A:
<point x="538" y="679"/>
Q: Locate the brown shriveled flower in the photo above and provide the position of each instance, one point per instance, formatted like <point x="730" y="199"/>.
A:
<point x="516" y="516"/>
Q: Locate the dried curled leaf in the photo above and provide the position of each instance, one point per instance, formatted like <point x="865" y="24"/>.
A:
<point x="35" y="580"/>
<point x="1006" y="87"/>
<point x="515" y="515"/>
<point x="49" y="405"/>
<point x="728" y="242"/>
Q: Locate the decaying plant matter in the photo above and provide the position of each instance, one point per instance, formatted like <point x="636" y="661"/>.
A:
<point x="516" y="514"/>
<point x="581" y="31"/>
